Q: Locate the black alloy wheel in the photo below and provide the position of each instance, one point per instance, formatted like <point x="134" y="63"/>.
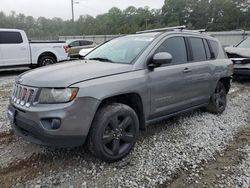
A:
<point x="114" y="132"/>
<point x="218" y="101"/>
<point x="119" y="134"/>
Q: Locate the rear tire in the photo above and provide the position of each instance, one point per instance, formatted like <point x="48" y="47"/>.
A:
<point x="46" y="60"/>
<point x="218" y="100"/>
<point x="114" y="132"/>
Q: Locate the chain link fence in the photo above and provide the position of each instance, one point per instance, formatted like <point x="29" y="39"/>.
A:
<point x="226" y="38"/>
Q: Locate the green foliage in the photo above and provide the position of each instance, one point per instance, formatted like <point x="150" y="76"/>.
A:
<point x="215" y="15"/>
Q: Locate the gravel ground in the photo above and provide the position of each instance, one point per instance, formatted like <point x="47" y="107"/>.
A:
<point x="5" y="90"/>
<point x="164" y="151"/>
<point x="242" y="178"/>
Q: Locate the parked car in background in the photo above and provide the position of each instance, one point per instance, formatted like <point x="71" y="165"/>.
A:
<point x="240" y="55"/>
<point x="17" y="50"/>
<point x="75" y="45"/>
<point x="121" y="86"/>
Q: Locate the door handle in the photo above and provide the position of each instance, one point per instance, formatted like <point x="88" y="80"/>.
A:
<point x="23" y="48"/>
<point x="187" y="70"/>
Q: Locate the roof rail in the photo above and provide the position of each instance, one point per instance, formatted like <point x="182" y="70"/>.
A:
<point x="162" y="29"/>
<point x="200" y="30"/>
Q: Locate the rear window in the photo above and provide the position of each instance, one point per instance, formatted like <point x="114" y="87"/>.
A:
<point x="75" y="43"/>
<point x="9" y="37"/>
<point x="215" y="48"/>
<point x="199" y="53"/>
<point x="84" y="43"/>
<point x="208" y="52"/>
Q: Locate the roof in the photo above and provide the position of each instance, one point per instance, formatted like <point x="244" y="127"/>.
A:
<point x="13" y="30"/>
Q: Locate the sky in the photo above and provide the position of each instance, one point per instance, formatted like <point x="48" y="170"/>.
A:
<point x="62" y="8"/>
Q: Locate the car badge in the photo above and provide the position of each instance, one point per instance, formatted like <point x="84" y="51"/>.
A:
<point x="20" y="81"/>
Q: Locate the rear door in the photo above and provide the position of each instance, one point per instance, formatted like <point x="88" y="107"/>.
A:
<point x="167" y="83"/>
<point x="199" y="77"/>
<point x="14" y="50"/>
<point x="75" y="48"/>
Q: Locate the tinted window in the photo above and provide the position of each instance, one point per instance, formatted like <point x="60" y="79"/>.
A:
<point x="75" y="43"/>
<point x="176" y="47"/>
<point x="209" y="56"/>
<point x="7" y="37"/>
<point x="198" y="49"/>
<point x="83" y="43"/>
<point x="215" y="48"/>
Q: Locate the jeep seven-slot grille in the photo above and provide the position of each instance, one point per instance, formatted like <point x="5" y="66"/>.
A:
<point x="23" y="95"/>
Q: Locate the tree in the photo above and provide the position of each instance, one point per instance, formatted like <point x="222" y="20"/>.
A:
<point x="215" y="15"/>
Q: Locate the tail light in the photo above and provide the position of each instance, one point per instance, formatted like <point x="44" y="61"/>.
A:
<point x="66" y="48"/>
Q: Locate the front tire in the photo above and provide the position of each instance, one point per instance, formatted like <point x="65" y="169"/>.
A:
<point x="114" y="132"/>
<point x="218" y="100"/>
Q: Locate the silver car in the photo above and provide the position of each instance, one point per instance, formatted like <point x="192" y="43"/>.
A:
<point x="120" y="87"/>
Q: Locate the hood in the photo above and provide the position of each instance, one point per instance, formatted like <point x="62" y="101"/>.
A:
<point x="66" y="74"/>
<point x="244" y="52"/>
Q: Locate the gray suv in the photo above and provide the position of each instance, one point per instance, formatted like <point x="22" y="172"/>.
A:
<point x="120" y="87"/>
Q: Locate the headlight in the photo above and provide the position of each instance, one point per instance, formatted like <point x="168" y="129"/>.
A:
<point x="237" y="62"/>
<point x="53" y="95"/>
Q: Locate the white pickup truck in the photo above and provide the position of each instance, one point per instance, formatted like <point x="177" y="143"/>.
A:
<point x="17" y="51"/>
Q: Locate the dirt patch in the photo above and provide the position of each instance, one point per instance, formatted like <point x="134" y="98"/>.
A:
<point x="38" y="163"/>
<point x="208" y="174"/>
<point x="7" y="137"/>
<point x="26" y="169"/>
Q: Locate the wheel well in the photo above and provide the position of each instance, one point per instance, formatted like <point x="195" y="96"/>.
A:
<point x="133" y="100"/>
<point x="47" y="54"/>
<point x="226" y="82"/>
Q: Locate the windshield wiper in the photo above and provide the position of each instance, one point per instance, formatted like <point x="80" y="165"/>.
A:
<point x="101" y="59"/>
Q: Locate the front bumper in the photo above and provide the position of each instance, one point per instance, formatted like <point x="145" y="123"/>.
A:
<point x="76" y="118"/>
<point x="241" y="66"/>
<point x="241" y="72"/>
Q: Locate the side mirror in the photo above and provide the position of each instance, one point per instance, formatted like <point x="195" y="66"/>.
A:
<point x="160" y="59"/>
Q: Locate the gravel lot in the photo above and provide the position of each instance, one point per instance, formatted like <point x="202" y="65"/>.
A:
<point x="177" y="152"/>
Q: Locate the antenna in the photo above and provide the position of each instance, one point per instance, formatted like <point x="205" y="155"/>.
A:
<point x="162" y="29"/>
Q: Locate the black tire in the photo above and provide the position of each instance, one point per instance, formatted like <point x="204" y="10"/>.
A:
<point x="46" y="60"/>
<point x="114" y="132"/>
<point x="218" y="100"/>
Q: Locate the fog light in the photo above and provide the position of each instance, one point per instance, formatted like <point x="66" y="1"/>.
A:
<point x="56" y="123"/>
<point x="51" y="123"/>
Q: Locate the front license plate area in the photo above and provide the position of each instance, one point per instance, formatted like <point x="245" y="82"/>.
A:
<point x="11" y="114"/>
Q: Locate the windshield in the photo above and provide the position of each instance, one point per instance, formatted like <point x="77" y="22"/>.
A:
<point x="120" y="50"/>
<point x="245" y="43"/>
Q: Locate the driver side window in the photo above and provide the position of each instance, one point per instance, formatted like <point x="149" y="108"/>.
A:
<point x="176" y="47"/>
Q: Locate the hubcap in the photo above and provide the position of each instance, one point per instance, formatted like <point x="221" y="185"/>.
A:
<point x="118" y="135"/>
<point x="47" y="61"/>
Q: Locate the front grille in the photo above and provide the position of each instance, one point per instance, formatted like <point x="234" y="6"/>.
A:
<point x="23" y="95"/>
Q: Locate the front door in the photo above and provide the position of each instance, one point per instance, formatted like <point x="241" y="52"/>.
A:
<point x="168" y="83"/>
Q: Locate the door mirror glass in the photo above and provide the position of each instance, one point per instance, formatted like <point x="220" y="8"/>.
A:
<point x="162" y="58"/>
